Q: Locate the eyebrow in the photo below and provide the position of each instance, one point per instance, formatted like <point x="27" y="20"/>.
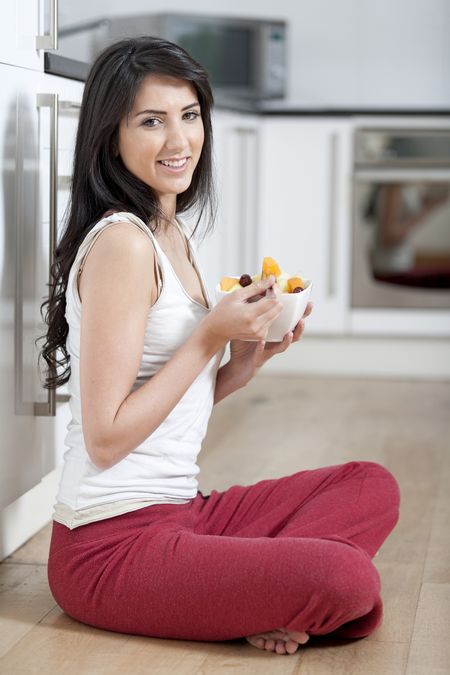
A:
<point x="163" y="112"/>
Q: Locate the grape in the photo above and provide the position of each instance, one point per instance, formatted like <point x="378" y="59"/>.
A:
<point x="245" y="280"/>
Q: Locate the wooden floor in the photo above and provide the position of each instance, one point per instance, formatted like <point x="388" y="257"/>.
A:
<point x="274" y="427"/>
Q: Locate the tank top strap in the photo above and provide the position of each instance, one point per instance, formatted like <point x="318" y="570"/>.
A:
<point x="106" y="222"/>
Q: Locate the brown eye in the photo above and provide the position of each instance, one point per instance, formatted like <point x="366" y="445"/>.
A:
<point x="191" y="115"/>
<point x="151" y="122"/>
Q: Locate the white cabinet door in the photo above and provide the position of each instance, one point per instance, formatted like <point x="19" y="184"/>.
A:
<point x="25" y="437"/>
<point x="231" y="248"/>
<point x="20" y="27"/>
<point x="30" y="442"/>
<point x="304" y="209"/>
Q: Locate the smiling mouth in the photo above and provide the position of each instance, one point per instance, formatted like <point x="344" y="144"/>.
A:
<point x="174" y="163"/>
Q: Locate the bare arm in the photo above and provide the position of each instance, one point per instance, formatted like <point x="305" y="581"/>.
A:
<point x="116" y="298"/>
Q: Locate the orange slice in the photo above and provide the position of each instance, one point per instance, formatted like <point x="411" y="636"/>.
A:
<point x="270" y="266"/>
<point x="294" y="282"/>
<point x="228" y="282"/>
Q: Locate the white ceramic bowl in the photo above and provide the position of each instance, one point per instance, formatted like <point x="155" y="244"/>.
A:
<point x="294" y="305"/>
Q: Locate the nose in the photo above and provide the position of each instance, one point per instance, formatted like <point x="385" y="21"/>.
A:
<point x="175" y="138"/>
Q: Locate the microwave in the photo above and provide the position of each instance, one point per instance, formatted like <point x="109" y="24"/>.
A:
<point x="245" y="58"/>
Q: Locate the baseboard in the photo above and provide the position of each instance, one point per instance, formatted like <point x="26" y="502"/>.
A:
<point x="409" y="358"/>
<point x="27" y="515"/>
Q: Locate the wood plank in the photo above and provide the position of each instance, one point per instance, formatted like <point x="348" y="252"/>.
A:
<point x="359" y="657"/>
<point x="242" y="658"/>
<point x="35" y="550"/>
<point x="430" y="646"/>
<point x="437" y="564"/>
<point x="400" y="590"/>
<point x="25" y="598"/>
<point x="408" y="543"/>
<point x="58" y="644"/>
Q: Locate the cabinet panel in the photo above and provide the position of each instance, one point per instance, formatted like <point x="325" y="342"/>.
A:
<point x="231" y="249"/>
<point x="25" y="438"/>
<point x="22" y="21"/>
<point x="305" y="188"/>
<point x="28" y="450"/>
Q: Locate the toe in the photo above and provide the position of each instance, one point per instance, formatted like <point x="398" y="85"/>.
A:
<point x="291" y="646"/>
<point x="270" y="645"/>
<point x="280" y="647"/>
<point x="301" y="638"/>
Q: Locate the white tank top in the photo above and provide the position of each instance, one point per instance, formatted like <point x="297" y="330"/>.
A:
<point x="163" y="468"/>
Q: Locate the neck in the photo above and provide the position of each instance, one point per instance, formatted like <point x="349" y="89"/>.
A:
<point x="169" y="206"/>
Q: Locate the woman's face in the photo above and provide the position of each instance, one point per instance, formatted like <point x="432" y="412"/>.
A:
<point x="161" y="140"/>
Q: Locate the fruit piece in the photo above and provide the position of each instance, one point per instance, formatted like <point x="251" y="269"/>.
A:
<point x="245" y="280"/>
<point x="297" y="289"/>
<point x="227" y="283"/>
<point x="282" y="283"/>
<point x="295" y="282"/>
<point x="256" y="277"/>
<point x="270" y="266"/>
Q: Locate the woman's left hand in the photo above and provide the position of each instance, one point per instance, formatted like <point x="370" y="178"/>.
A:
<point x="248" y="357"/>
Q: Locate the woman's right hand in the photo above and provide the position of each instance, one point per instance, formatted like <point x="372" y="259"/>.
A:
<point x="237" y="317"/>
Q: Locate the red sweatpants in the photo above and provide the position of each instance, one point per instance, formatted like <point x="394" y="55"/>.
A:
<point x="292" y="552"/>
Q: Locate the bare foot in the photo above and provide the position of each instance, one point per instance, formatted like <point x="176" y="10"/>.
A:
<point x="280" y="641"/>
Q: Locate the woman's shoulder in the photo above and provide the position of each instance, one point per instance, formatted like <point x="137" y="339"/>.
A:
<point x="116" y="235"/>
<point x="123" y="236"/>
<point x="123" y="222"/>
<point x="117" y="250"/>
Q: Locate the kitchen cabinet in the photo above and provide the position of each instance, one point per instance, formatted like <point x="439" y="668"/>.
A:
<point x="303" y="201"/>
<point x="284" y="188"/>
<point x="231" y="248"/>
<point x="30" y="442"/>
<point x="21" y="26"/>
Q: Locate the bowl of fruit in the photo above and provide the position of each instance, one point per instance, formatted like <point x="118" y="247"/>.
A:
<point x="293" y="291"/>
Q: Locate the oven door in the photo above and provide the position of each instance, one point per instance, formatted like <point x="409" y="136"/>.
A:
<point x="401" y="239"/>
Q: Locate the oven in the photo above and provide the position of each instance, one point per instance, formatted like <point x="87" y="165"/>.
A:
<point x="401" y="220"/>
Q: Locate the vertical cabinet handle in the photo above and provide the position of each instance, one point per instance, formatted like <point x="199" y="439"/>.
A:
<point x="332" y="215"/>
<point x="50" y="41"/>
<point x="48" y="408"/>
<point x="248" y="198"/>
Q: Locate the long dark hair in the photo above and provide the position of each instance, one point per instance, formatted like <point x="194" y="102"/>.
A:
<point x="101" y="182"/>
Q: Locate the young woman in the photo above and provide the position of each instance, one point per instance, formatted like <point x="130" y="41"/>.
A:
<point x="136" y="548"/>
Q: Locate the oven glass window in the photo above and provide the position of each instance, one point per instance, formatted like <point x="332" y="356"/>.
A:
<point x="408" y="238"/>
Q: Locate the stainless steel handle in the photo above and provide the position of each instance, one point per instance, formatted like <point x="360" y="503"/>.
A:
<point x="48" y="408"/>
<point x="402" y="175"/>
<point x="332" y="215"/>
<point x="50" y="41"/>
<point x="70" y="105"/>
<point x="248" y="199"/>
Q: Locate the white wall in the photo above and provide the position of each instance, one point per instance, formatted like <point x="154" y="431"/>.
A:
<point x="368" y="53"/>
